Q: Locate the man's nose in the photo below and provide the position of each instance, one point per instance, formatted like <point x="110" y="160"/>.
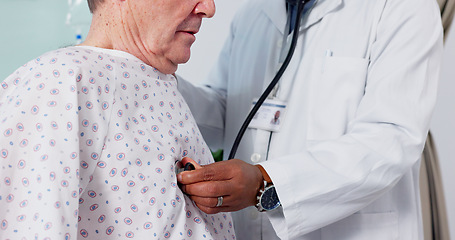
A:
<point x="206" y="8"/>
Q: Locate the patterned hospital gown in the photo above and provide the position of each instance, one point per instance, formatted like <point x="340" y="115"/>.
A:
<point x="89" y="138"/>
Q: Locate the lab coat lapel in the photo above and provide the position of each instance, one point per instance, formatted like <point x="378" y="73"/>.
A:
<point x="276" y="12"/>
<point x="322" y="8"/>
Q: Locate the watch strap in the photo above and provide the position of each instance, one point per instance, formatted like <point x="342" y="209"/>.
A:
<point x="267" y="184"/>
<point x="265" y="175"/>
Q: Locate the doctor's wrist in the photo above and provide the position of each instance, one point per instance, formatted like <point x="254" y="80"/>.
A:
<point x="267" y="197"/>
<point x="265" y="175"/>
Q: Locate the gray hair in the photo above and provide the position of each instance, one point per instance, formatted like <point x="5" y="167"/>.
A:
<point x="92" y="4"/>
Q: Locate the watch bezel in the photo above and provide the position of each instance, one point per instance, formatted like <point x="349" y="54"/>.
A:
<point x="261" y="198"/>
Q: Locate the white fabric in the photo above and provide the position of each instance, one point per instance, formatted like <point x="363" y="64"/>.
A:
<point x="360" y="90"/>
<point x="88" y="144"/>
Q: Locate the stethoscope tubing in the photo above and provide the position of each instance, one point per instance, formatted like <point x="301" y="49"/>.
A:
<point x="276" y="79"/>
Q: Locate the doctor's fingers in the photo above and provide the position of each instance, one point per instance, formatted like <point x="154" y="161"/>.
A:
<point x="209" y="205"/>
<point x="211" y="202"/>
<point x="210" y="189"/>
<point x="212" y="210"/>
<point x="211" y="172"/>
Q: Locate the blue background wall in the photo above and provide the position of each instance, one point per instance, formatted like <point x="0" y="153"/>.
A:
<point x="29" y="28"/>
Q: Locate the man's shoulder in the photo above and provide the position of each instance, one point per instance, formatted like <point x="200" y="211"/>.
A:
<point x="55" y="60"/>
<point x="70" y="66"/>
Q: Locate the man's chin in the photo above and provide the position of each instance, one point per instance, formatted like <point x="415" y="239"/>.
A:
<point x="170" y="68"/>
<point x="182" y="59"/>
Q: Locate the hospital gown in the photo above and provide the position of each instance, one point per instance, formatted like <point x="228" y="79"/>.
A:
<point x="89" y="138"/>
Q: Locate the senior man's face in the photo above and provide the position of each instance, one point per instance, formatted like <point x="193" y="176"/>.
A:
<point x="164" y="30"/>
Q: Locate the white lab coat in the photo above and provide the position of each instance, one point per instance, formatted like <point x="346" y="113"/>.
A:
<point x="360" y="91"/>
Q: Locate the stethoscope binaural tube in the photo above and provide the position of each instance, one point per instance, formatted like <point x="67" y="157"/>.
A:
<point x="300" y="6"/>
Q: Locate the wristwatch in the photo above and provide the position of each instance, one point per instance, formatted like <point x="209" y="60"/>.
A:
<point x="267" y="199"/>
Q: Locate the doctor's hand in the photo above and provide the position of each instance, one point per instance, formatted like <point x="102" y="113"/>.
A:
<point x="235" y="180"/>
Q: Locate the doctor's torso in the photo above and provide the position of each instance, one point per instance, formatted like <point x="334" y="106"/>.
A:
<point x="353" y="62"/>
<point x="322" y="85"/>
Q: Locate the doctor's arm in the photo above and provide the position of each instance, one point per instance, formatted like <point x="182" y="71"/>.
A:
<point x="382" y="142"/>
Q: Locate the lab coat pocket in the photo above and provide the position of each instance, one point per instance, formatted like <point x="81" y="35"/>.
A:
<point x="335" y="96"/>
<point x="361" y="226"/>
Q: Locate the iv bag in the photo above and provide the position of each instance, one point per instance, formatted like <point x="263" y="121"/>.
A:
<point x="78" y="18"/>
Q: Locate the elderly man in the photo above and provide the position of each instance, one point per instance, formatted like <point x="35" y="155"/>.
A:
<point x="91" y="133"/>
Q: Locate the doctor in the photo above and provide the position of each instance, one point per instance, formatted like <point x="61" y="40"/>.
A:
<point x="356" y="102"/>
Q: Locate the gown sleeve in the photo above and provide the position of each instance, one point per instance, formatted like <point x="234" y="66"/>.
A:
<point x="53" y="123"/>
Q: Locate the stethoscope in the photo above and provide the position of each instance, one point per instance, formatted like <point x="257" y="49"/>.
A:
<point x="299" y="5"/>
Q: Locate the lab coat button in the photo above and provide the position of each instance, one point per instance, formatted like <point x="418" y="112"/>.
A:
<point x="255" y="157"/>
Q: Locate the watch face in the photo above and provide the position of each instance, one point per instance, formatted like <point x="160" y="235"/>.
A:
<point x="269" y="199"/>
